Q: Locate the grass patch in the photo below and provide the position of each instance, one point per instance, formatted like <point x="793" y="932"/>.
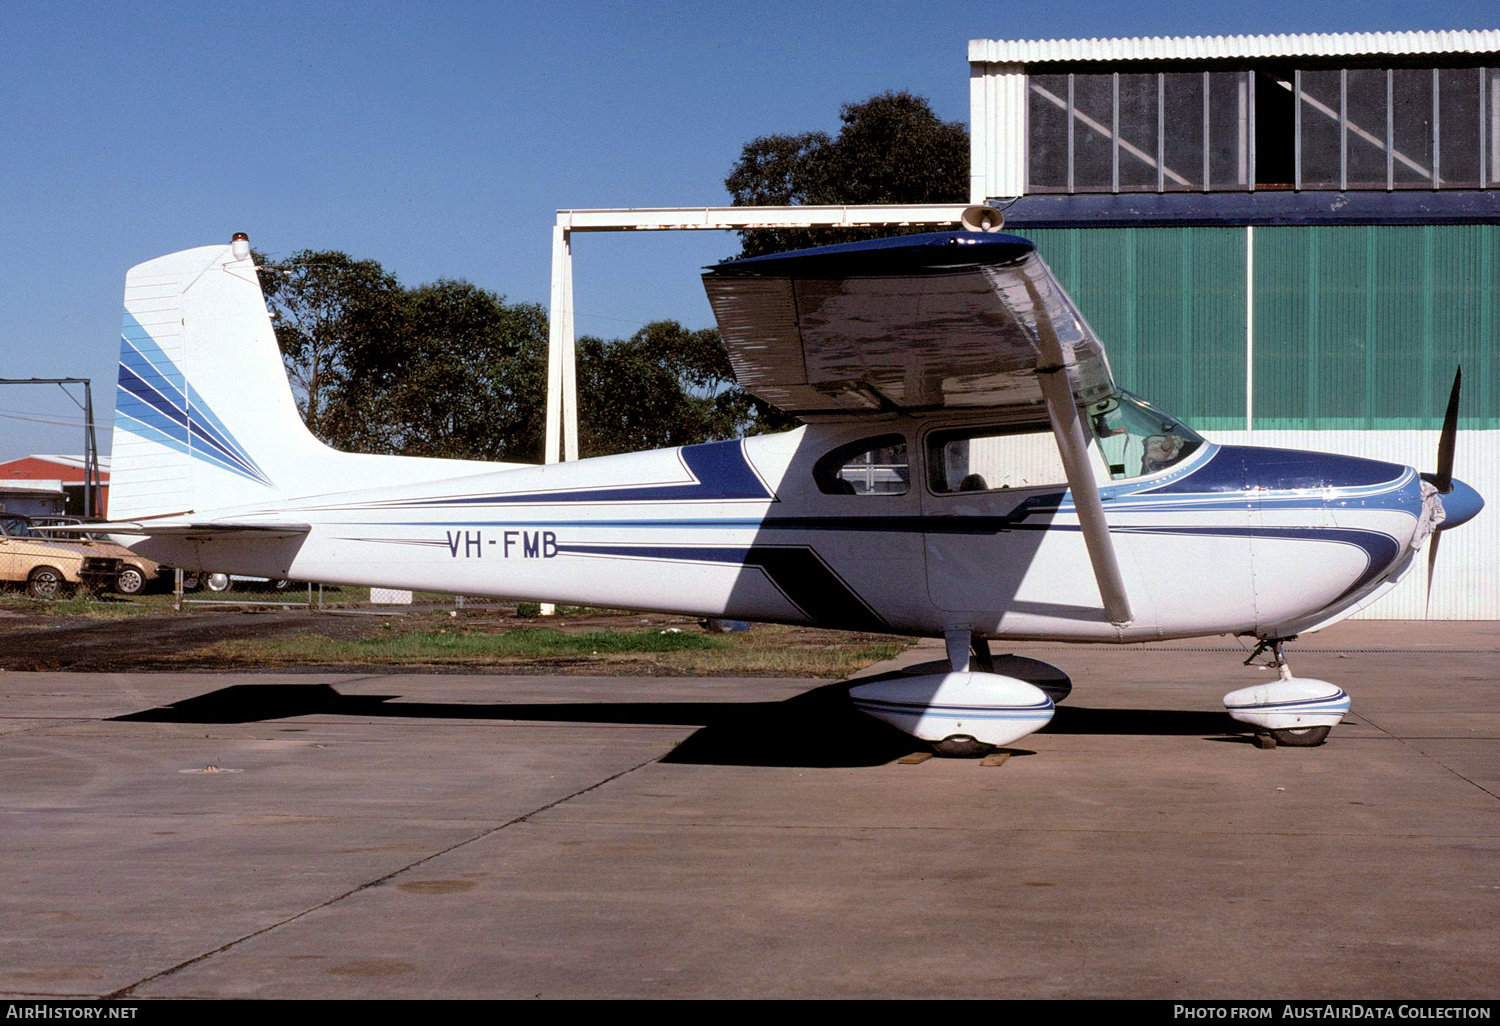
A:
<point x="765" y="657"/>
<point x="443" y="646"/>
<point x="104" y="606"/>
<point x="764" y="651"/>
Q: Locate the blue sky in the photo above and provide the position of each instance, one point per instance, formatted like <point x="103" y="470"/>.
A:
<point x="441" y="138"/>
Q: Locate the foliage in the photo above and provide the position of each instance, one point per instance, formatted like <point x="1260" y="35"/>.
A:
<point x="446" y="369"/>
<point x="892" y="149"/>
<point x="464" y="378"/>
<point x="326" y="308"/>
<point x="663" y="386"/>
<point x="451" y="370"/>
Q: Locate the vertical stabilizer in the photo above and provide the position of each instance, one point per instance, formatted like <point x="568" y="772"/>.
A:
<point x="204" y="415"/>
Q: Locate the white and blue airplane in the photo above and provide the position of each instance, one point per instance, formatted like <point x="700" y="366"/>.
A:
<point x="968" y="469"/>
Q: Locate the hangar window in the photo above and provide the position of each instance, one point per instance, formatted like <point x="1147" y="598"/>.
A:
<point x="1274" y="126"/>
<point x="1140" y="132"/>
<point x="870" y="466"/>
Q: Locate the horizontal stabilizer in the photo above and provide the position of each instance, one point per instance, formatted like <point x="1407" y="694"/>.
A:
<point x="175" y="528"/>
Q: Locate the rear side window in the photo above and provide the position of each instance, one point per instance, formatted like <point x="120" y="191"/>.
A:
<point x="870" y="466"/>
<point x="988" y="459"/>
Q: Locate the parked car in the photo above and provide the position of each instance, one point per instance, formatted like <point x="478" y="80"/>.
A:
<point x="206" y="582"/>
<point x="137" y="573"/>
<point x="46" y="568"/>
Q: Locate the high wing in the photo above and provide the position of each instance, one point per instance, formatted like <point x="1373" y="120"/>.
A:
<point x="943" y="321"/>
<point x="948" y="320"/>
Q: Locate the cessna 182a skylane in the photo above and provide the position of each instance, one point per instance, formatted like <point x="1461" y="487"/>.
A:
<point x="968" y="470"/>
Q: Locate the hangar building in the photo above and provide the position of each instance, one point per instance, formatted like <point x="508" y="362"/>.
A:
<point x="1285" y="240"/>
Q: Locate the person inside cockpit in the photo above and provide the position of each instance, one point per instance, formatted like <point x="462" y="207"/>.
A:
<point x="1131" y="433"/>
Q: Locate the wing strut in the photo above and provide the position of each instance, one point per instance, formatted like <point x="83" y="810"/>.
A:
<point x="1073" y="446"/>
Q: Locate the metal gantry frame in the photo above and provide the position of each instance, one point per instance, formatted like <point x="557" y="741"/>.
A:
<point x="90" y="443"/>
<point x="562" y="382"/>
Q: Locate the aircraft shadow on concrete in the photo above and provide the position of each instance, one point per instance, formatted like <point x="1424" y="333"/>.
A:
<point x="816" y="729"/>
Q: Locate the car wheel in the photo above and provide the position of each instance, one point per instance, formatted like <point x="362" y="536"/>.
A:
<point x="130" y="581"/>
<point x="47" y="582"/>
<point x="215" y="582"/>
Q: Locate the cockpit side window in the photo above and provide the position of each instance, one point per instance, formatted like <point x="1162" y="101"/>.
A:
<point x="1135" y="438"/>
<point x="870" y="466"/>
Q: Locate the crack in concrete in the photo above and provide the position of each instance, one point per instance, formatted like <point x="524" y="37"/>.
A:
<point x="1407" y="742"/>
<point x="125" y="993"/>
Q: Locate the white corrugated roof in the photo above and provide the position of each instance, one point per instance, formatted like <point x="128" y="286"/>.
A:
<point x="1029" y="51"/>
<point x="30" y="487"/>
<point x="68" y="461"/>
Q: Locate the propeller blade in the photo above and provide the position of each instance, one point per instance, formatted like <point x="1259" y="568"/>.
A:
<point x="1443" y="479"/>
<point x="1432" y="547"/>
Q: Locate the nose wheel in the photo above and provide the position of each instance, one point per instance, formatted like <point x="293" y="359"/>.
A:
<point x="1297" y="712"/>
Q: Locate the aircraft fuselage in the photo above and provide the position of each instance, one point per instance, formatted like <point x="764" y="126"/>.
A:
<point x="1228" y="540"/>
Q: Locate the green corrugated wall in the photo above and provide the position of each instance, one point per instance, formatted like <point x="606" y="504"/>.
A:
<point x="1355" y="327"/>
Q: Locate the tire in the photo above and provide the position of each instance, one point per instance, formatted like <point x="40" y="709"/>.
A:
<point x="130" y="581"/>
<point x="961" y="746"/>
<point x="47" y="582"/>
<point x="215" y="582"/>
<point x="1301" y="737"/>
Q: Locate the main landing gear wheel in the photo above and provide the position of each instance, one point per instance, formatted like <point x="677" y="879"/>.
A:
<point x="1300" y="737"/>
<point x="961" y="746"/>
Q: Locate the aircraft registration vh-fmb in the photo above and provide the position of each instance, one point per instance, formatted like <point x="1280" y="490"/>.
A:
<point x="967" y="469"/>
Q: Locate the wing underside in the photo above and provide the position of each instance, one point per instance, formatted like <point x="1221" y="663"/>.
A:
<point x="942" y="321"/>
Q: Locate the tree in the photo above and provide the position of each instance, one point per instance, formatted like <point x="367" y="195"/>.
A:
<point x="446" y="369"/>
<point x="326" y="306"/>
<point x="663" y="386"/>
<point x="892" y="149"/>
<point x="451" y="370"/>
<point x="465" y="378"/>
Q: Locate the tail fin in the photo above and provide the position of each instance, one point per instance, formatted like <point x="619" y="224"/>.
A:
<point x="203" y="406"/>
<point x="204" y="415"/>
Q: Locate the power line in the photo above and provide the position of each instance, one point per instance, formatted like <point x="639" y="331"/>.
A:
<point x="37" y="418"/>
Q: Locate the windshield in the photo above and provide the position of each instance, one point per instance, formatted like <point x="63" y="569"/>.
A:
<point x="17" y="527"/>
<point x="1136" y="438"/>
